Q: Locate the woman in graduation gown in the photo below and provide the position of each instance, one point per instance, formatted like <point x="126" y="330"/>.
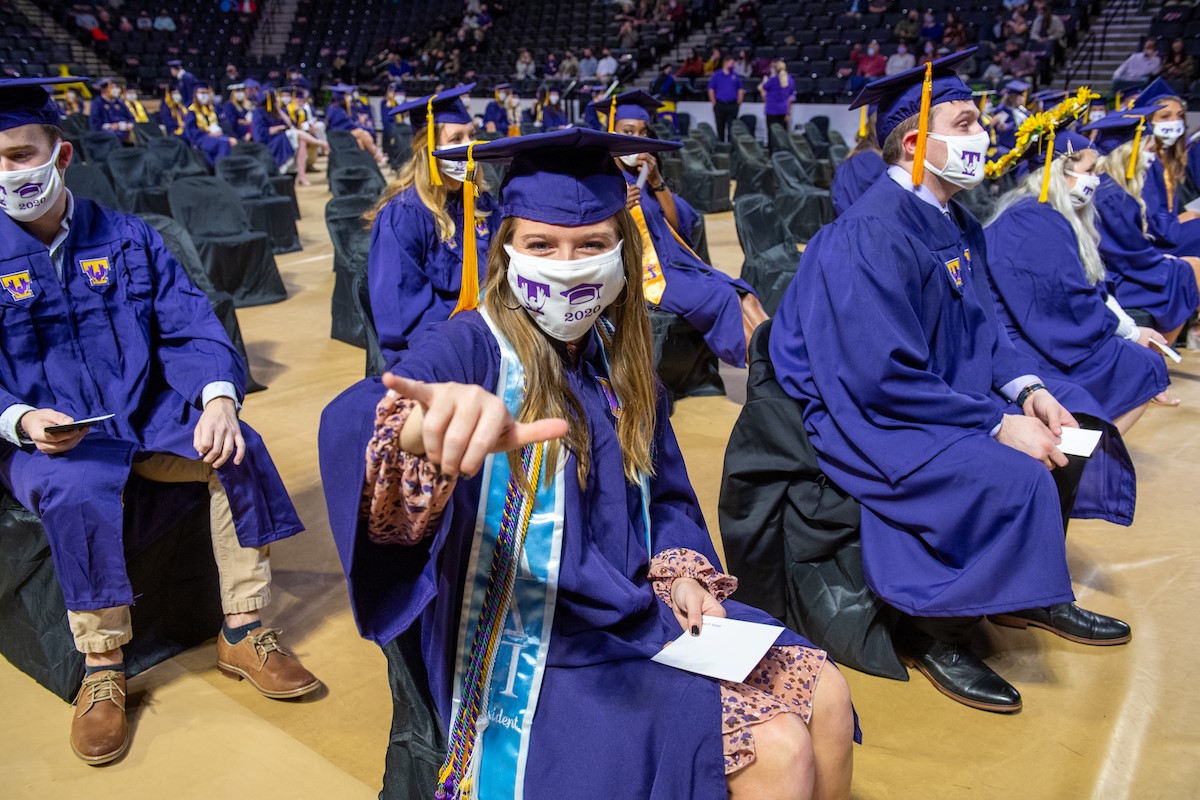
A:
<point x="859" y="170"/>
<point x="172" y="115"/>
<point x="724" y="310"/>
<point x="202" y="126"/>
<point x="236" y="113"/>
<point x="1162" y="285"/>
<point x="615" y="560"/>
<point x="273" y="126"/>
<point x="1048" y="281"/>
<point x="342" y="115"/>
<point x="1175" y="230"/>
<point x="414" y="268"/>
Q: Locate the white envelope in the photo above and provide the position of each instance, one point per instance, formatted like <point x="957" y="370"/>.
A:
<point x="726" y="648"/>
<point x="1079" y="441"/>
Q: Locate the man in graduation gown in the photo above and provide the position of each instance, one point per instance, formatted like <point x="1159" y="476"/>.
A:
<point x="182" y="80"/>
<point x="109" y="113"/>
<point x="98" y="318"/>
<point x="920" y="409"/>
<point x="202" y="127"/>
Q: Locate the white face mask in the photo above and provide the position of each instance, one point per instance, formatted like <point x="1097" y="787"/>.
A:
<point x="502" y="96"/>
<point x="630" y="160"/>
<point x="453" y="169"/>
<point x="1148" y="159"/>
<point x="239" y="96"/>
<point x="1169" y="132"/>
<point x="27" y="194"/>
<point x="964" y="159"/>
<point x="565" y="298"/>
<point x="1084" y="190"/>
<point x="131" y="98"/>
<point x="553" y="99"/>
<point x="1097" y="113"/>
<point x="177" y="97"/>
<point x="202" y="98"/>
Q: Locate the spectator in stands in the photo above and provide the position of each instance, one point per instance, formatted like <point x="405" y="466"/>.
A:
<point x="1178" y="68"/>
<point x="550" y="67"/>
<point x="691" y="69"/>
<point x="232" y="76"/>
<point x="725" y="93"/>
<point x="908" y="30"/>
<point x="144" y="22"/>
<point x="125" y="26"/>
<point x="955" y="36"/>
<point x="900" y="60"/>
<point x="415" y="264"/>
<point x="1049" y="283"/>
<point x="568" y="69"/>
<point x="182" y="80"/>
<point x="869" y="64"/>
<point x="931" y="29"/>
<point x="928" y="53"/>
<point x="744" y="66"/>
<point x="778" y="91"/>
<point x="879" y="6"/>
<point x="627" y="37"/>
<point x="1018" y="63"/>
<point x="713" y="64"/>
<point x="343" y="115"/>
<point x="1047" y="29"/>
<point x="588" y="65"/>
<point x="525" y="72"/>
<point x="164" y="22"/>
<point x="606" y="68"/>
<point x="1016" y="27"/>
<point x="1137" y="70"/>
<point x="108" y="111"/>
<point x="172" y="382"/>
<point x="397" y="67"/>
<point x="664" y="85"/>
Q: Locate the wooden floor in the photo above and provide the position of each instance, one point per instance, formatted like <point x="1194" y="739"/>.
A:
<point x="1098" y="722"/>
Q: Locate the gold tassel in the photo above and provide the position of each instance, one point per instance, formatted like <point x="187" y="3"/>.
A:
<point x="1045" y="195"/>
<point x="918" y="173"/>
<point x="435" y="175"/>
<point x="1136" y="153"/>
<point x="468" y="293"/>
<point x="862" y="123"/>
<point x="982" y="104"/>
<point x="612" y="114"/>
<point x="1117" y="107"/>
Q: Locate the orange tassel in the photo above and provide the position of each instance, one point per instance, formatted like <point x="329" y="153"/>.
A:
<point x="862" y="123"/>
<point x="612" y="114"/>
<point x="918" y="173"/>
<point x="435" y="175"/>
<point x="1136" y="153"/>
<point x="468" y="294"/>
<point x="1045" y="195"/>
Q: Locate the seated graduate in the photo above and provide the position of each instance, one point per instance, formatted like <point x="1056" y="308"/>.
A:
<point x="547" y="113"/>
<point x="236" y="111"/>
<point x="172" y="114"/>
<point x="1045" y="100"/>
<point x="1161" y="285"/>
<point x="1175" y="229"/>
<point x="591" y="113"/>
<point x="1011" y="112"/>
<point x="134" y="104"/>
<point x="361" y="111"/>
<point x="860" y="169"/>
<point x="342" y="114"/>
<point x="81" y="284"/>
<point x="295" y="100"/>
<point x="393" y="95"/>
<point x="495" y="115"/>
<point x="544" y="400"/>
<point x="202" y="126"/>
<point x="109" y="112"/>
<point x="907" y="384"/>
<point x="1044" y="267"/>
<point x="71" y="103"/>
<point x="1193" y="162"/>
<point x="414" y="267"/>
<point x="273" y="126"/>
<point x="724" y="310"/>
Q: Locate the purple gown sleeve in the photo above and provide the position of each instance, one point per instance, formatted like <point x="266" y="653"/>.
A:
<point x="400" y="288"/>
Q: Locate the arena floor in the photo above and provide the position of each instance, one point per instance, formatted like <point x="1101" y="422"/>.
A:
<point x="1100" y="723"/>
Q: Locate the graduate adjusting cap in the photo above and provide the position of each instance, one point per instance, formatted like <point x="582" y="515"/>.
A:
<point x="565" y="177"/>
<point x="1156" y="92"/>
<point x="24" y="101"/>
<point x="915" y="91"/>
<point x="634" y="104"/>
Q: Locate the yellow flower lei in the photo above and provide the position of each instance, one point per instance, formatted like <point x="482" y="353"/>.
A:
<point x="1037" y="127"/>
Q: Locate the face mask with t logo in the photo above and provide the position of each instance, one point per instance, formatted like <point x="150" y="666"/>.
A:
<point x="964" y="159"/>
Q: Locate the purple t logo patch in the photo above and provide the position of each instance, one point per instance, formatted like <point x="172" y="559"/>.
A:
<point x="970" y="162"/>
<point x="535" y="293"/>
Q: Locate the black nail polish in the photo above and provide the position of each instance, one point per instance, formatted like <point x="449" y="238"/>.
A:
<point x="695" y="630"/>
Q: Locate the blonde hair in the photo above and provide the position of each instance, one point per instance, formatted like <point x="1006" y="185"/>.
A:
<point x="1082" y="220"/>
<point x="1115" y="165"/>
<point x="631" y="367"/>
<point x="416" y="173"/>
<point x="780" y="66"/>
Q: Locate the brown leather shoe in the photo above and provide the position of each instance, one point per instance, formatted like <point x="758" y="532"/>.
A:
<point x="99" y="732"/>
<point x="259" y="659"/>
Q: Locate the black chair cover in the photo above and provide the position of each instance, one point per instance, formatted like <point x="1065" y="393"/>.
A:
<point x="356" y="180"/>
<point x="362" y="304"/>
<point x="682" y="359"/>
<point x="343" y="159"/>
<point x="803" y="207"/>
<point x="139" y="181"/>
<point x="398" y="145"/>
<point x="752" y="172"/>
<point x="341" y="141"/>
<point x="284" y="185"/>
<point x="821" y="169"/>
<point x="97" y="145"/>
<point x="792" y="536"/>
<point x="143" y="132"/>
<point x="704" y="186"/>
<point x="417" y="744"/>
<point x="236" y="259"/>
<point x="719" y="153"/>
<point x="351" y="239"/>
<point x="179" y="242"/>
<point x="268" y="212"/>
<point x="770" y="251"/>
<point x="168" y="551"/>
<point x="177" y="159"/>
<point x="816" y="136"/>
<point x="88" y="180"/>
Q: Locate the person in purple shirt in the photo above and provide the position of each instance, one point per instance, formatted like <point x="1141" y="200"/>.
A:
<point x="725" y="92"/>
<point x="778" y="91"/>
<point x="552" y="367"/>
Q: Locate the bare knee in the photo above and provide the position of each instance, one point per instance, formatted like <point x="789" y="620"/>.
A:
<point x="783" y="767"/>
<point x="833" y="713"/>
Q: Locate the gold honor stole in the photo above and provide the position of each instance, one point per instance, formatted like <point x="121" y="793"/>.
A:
<point x="209" y="117"/>
<point x="138" y="110"/>
<point x="654" y="283"/>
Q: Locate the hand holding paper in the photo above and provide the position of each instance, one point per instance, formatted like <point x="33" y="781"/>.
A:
<point x="726" y="648"/>
<point x="1079" y="441"/>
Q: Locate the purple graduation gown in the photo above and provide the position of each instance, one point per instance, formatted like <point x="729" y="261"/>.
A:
<point x="336" y="118"/>
<point x="890" y="343"/>
<point x="1171" y="235"/>
<point x="236" y="120"/>
<point x="707" y="298"/>
<point x="853" y="177"/>
<point x="106" y="112"/>
<point x="413" y="276"/>
<point x="125" y="333"/>
<point x="1142" y="275"/>
<point x="214" y="148"/>
<point x="609" y="722"/>
<point x="1057" y="318"/>
<point x="261" y="123"/>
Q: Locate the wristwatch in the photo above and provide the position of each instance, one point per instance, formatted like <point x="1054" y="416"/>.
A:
<point x="1028" y="390"/>
<point x="662" y="187"/>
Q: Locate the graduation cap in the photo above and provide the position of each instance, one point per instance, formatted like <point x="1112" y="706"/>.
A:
<point x="914" y="92"/>
<point x="104" y="83"/>
<point x="25" y="101"/>
<point x="501" y="86"/>
<point x="634" y="104"/>
<point x="566" y="177"/>
<point x="441" y="107"/>
<point x="175" y="62"/>
<point x="1156" y="92"/>
<point x="233" y="87"/>
<point x="1016" y="87"/>
<point x="1118" y="128"/>
<point x="341" y="88"/>
<point x="1049" y="97"/>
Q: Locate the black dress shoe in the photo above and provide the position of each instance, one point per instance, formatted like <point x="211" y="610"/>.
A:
<point x="1070" y="622"/>
<point x="961" y="675"/>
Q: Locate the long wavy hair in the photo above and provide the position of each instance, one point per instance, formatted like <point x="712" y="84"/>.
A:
<point x="416" y="173"/>
<point x="1115" y="165"/>
<point x="1173" y="158"/>
<point x="631" y="364"/>
<point x="1082" y="220"/>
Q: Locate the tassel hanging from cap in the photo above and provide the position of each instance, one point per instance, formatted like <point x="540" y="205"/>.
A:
<point x="435" y="175"/>
<point x="983" y="104"/>
<point x="468" y="294"/>
<point x="918" y="173"/>
<point x="1136" y="154"/>
<point x="1045" y="195"/>
<point x="862" y="123"/>
<point x="1117" y="105"/>
<point x="612" y="114"/>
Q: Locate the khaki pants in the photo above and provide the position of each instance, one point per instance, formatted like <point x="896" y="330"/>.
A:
<point x="245" y="572"/>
